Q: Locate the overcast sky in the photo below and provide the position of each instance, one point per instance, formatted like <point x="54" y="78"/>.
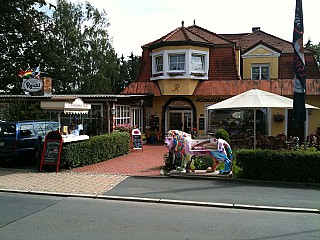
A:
<point x="137" y="22"/>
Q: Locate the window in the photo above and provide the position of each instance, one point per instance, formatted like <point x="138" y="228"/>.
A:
<point x="159" y="63"/>
<point x="260" y="72"/>
<point x="177" y="62"/>
<point x="197" y="63"/>
<point x="27" y="130"/>
<point x="96" y="110"/>
<point x="137" y="118"/>
<point x="122" y="114"/>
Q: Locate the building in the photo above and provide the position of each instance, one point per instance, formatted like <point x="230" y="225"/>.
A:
<point x="191" y="68"/>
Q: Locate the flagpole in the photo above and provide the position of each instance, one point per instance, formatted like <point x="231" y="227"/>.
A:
<point x="300" y="93"/>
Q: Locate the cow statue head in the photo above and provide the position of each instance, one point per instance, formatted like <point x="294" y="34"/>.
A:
<point x="177" y="142"/>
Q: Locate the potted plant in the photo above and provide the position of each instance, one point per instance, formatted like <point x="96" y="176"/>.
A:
<point x="278" y="117"/>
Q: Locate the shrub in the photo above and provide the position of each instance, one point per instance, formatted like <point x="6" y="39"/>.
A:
<point x="223" y="134"/>
<point x="94" y="150"/>
<point x="275" y="165"/>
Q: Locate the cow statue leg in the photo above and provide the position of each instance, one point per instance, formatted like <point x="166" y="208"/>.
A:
<point x="219" y="157"/>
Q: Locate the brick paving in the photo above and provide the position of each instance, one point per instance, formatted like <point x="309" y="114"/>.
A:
<point x="94" y="179"/>
<point x="137" y="163"/>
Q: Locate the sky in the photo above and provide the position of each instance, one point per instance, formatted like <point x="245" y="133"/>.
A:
<point x="134" y="23"/>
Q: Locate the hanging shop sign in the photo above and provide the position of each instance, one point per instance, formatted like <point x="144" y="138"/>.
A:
<point x="32" y="85"/>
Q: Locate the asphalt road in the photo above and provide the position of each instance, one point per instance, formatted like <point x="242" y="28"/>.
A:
<point x="45" y="217"/>
<point x="221" y="191"/>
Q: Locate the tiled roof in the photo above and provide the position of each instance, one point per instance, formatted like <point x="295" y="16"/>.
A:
<point x="149" y="88"/>
<point x="192" y="34"/>
<point x="234" y="87"/>
<point x="247" y="40"/>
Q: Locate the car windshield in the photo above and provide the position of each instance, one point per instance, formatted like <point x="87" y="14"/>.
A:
<point x="7" y="130"/>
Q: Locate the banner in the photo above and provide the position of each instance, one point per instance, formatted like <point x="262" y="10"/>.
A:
<point x="299" y="110"/>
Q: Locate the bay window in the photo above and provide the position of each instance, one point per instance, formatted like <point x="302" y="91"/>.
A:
<point x="197" y="63"/>
<point x="159" y="63"/>
<point x="177" y="62"/>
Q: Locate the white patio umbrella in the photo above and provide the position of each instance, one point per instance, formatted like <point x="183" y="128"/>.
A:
<point x="255" y="99"/>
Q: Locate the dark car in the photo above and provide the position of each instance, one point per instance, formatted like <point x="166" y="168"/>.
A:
<point x="22" y="139"/>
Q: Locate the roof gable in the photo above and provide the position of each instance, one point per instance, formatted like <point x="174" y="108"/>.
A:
<point x="261" y="50"/>
<point x="191" y="35"/>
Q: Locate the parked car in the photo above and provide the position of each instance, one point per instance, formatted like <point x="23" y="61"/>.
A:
<point x="22" y="139"/>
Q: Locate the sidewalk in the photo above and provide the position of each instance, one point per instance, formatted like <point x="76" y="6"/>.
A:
<point x="146" y="162"/>
<point x="93" y="180"/>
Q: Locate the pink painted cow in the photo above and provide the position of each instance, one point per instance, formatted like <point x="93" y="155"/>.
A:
<point x="181" y="145"/>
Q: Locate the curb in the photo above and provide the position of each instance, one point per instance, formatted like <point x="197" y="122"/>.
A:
<point x="170" y="201"/>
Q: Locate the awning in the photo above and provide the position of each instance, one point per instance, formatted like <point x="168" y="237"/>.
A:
<point x="75" y="107"/>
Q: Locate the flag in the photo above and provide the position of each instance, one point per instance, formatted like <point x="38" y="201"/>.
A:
<point x="37" y="71"/>
<point x="27" y="74"/>
<point x="21" y="73"/>
<point x="299" y="109"/>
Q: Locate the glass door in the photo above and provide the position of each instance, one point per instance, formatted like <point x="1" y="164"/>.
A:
<point x="180" y="120"/>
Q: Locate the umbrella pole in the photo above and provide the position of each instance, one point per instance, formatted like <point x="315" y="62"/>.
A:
<point x="254" y="128"/>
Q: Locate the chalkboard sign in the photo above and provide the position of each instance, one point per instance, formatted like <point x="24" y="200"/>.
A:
<point x="51" y="154"/>
<point x="52" y="150"/>
<point x="136" y="139"/>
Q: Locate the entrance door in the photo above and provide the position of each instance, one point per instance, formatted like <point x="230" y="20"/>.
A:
<point x="180" y="120"/>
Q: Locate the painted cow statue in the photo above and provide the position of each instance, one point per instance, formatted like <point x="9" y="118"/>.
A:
<point x="181" y="145"/>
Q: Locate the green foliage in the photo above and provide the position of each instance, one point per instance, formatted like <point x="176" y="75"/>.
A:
<point x="21" y="110"/>
<point x="223" y="134"/>
<point x="70" y="42"/>
<point x="203" y="163"/>
<point x="95" y="127"/>
<point x="96" y="149"/>
<point x="21" y="31"/>
<point x="315" y="48"/>
<point x="273" y="165"/>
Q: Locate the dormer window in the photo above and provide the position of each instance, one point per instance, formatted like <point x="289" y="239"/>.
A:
<point x="176" y="62"/>
<point x="260" y="72"/>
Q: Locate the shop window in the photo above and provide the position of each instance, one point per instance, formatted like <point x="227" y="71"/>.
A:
<point x="260" y="72"/>
<point x="122" y="114"/>
<point x="235" y="121"/>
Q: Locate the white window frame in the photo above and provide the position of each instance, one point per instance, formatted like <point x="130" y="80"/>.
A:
<point x="260" y="66"/>
<point x="187" y="72"/>
<point x="194" y="63"/>
<point x="137" y="117"/>
<point x="158" y="64"/>
<point x="179" y="57"/>
<point x="122" y="115"/>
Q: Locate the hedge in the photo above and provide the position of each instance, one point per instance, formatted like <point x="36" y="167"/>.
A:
<point x="275" y="165"/>
<point x="94" y="150"/>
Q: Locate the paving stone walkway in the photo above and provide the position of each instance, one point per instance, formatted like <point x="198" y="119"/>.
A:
<point x="94" y="179"/>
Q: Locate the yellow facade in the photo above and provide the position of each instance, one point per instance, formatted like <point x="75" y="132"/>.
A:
<point x="260" y="55"/>
<point x="177" y="86"/>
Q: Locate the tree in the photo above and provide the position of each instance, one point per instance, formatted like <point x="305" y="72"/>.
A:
<point x="21" y="110"/>
<point x="129" y="71"/>
<point x="20" y="33"/>
<point x="81" y="58"/>
<point x="315" y="48"/>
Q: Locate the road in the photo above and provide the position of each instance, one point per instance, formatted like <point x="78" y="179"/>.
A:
<point x="47" y="217"/>
<point x="221" y="191"/>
